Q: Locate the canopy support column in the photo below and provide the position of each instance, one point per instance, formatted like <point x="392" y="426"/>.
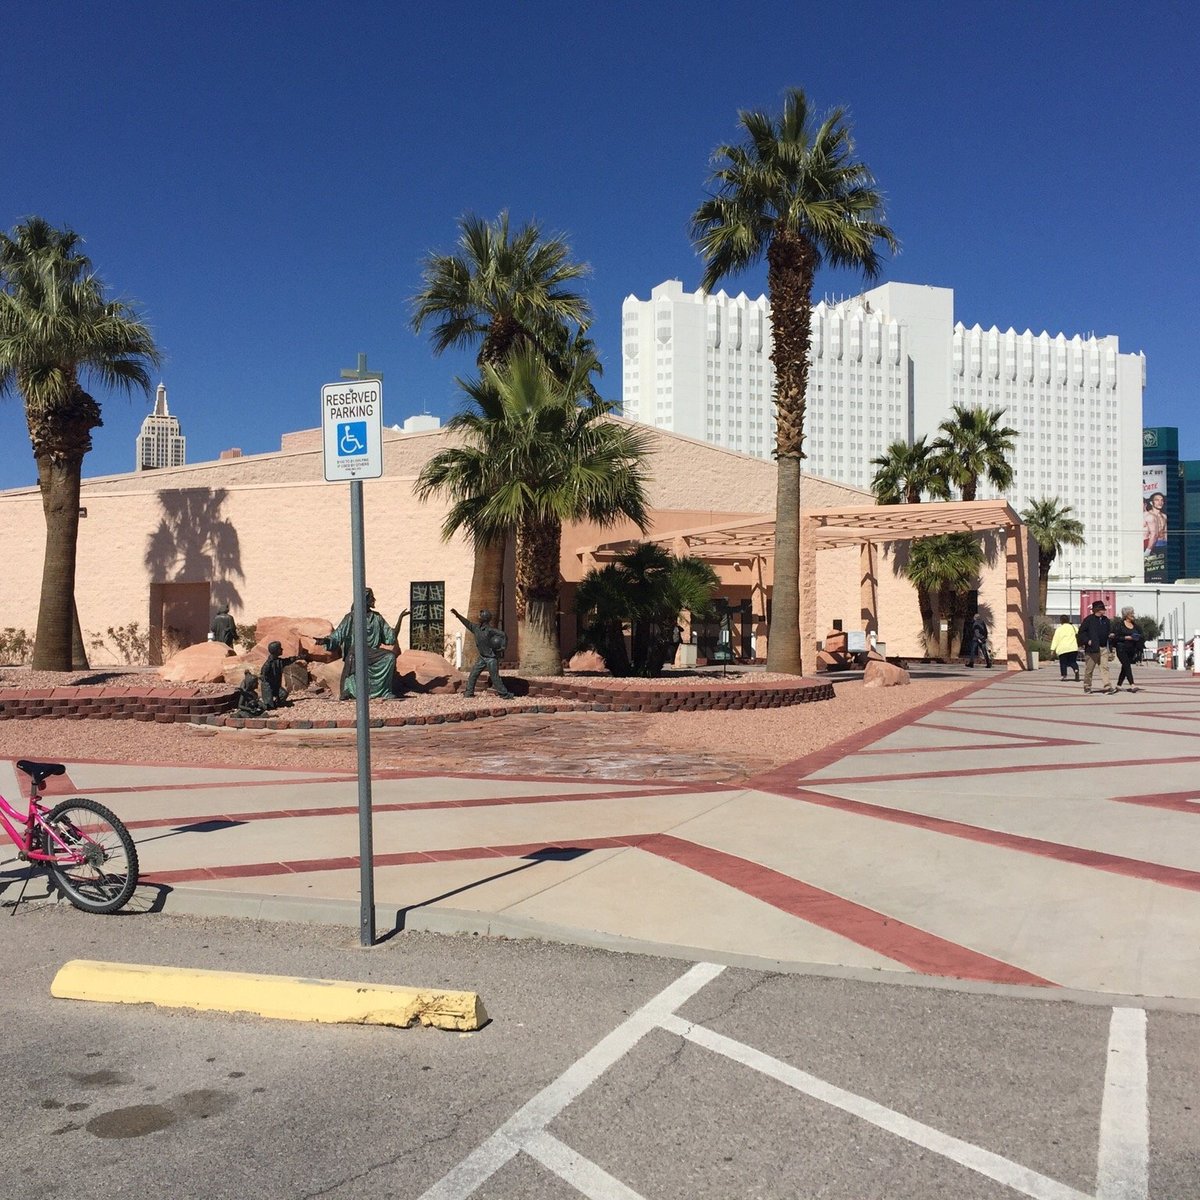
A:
<point x="808" y="593"/>
<point x="868" y="587"/>
<point x="1015" y="595"/>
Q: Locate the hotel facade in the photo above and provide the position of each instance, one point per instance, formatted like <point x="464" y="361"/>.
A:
<point x="887" y="366"/>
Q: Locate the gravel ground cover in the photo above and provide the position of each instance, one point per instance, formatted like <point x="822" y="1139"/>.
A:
<point x="778" y="735"/>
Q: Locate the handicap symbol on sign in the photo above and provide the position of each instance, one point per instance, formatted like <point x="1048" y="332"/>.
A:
<point x="352" y="437"/>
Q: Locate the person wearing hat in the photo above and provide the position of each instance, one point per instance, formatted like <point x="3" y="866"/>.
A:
<point x="1094" y="634"/>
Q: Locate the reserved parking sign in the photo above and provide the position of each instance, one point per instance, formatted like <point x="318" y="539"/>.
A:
<point x="352" y="420"/>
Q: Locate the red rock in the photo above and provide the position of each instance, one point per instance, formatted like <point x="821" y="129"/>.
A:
<point x="424" y="671"/>
<point x="586" y="660"/>
<point x="201" y="663"/>
<point x="884" y="674"/>
<point x="328" y="675"/>
<point x="294" y="634"/>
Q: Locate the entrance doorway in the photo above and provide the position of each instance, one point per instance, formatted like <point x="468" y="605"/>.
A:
<point x="178" y="617"/>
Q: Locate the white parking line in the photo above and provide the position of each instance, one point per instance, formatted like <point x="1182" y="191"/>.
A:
<point x="581" y="1173"/>
<point x="1022" y="1179"/>
<point x="1123" y="1162"/>
<point x="1123" y="1157"/>
<point x="531" y="1119"/>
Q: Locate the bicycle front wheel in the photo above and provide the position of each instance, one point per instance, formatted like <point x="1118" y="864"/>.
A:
<point x="106" y="874"/>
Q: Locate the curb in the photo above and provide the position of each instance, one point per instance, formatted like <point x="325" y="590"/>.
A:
<point x="329" y="1001"/>
<point x="457" y="922"/>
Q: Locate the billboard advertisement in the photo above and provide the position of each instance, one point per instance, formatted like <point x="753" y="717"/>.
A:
<point x="1154" y="522"/>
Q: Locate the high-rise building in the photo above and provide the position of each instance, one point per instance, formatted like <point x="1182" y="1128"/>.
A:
<point x="887" y="366"/>
<point x="160" y="444"/>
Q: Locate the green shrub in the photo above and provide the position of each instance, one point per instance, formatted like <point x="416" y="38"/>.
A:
<point x="1042" y="649"/>
<point x="126" y="642"/>
<point x="247" y="636"/>
<point x="16" y="646"/>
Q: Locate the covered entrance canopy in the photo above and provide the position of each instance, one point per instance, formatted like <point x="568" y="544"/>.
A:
<point x="753" y="541"/>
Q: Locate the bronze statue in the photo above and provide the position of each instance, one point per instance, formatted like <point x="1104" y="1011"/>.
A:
<point x="274" y="694"/>
<point x="491" y="643"/>
<point x="381" y="664"/>
<point x="223" y="627"/>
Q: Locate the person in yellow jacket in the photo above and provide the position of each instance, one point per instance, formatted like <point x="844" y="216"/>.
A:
<point x="1066" y="646"/>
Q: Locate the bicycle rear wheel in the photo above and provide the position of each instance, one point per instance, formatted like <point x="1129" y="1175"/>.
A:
<point x="106" y="876"/>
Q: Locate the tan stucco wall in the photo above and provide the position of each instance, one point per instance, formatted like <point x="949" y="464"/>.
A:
<point x="273" y="538"/>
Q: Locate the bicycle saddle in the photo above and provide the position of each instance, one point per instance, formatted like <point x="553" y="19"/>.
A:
<point x="39" y="772"/>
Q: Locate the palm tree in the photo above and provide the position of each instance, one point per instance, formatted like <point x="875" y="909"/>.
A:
<point x="943" y="569"/>
<point x="646" y="589"/>
<point x="1053" y="527"/>
<point x="56" y="329"/>
<point x="503" y="290"/>
<point x="974" y="445"/>
<point x="534" y="457"/>
<point x="792" y="192"/>
<point x="906" y="473"/>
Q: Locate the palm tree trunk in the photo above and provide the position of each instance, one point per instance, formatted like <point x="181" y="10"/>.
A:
<point x="79" y="658"/>
<point x="1044" y="561"/>
<point x="59" y="481"/>
<point x="783" y="646"/>
<point x="487" y="583"/>
<point x="791" y="263"/>
<point x="538" y="569"/>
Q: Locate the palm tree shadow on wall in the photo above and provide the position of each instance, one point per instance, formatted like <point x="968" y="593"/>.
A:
<point x="195" y="543"/>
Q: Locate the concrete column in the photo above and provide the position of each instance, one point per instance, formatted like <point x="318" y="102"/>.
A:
<point x="758" y="609"/>
<point x="808" y="593"/>
<point x="1016" y="606"/>
<point x="868" y="588"/>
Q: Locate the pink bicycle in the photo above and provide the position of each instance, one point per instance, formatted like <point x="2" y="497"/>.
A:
<point x="84" y="847"/>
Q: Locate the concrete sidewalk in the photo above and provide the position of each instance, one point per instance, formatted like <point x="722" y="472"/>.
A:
<point x="1021" y="833"/>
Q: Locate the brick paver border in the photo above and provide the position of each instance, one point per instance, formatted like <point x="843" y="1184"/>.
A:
<point x="168" y="704"/>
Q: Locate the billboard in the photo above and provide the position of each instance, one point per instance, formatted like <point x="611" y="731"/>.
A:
<point x="1154" y="522"/>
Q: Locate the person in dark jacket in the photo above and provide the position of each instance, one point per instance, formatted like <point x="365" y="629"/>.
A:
<point x="1128" y="641"/>
<point x="975" y="641"/>
<point x="1095" y="634"/>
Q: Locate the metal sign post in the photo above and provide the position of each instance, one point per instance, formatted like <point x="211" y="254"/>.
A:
<point x="352" y="418"/>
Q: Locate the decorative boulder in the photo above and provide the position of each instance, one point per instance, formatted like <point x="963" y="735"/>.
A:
<point x="586" y="660"/>
<point x="884" y="674"/>
<point x="295" y="635"/>
<point x="202" y="663"/>
<point x="327" y="676"/>
<point x="424" y="671"/>
<point x="295" y="677"/>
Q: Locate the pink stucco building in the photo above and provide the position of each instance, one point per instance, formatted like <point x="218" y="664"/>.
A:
<point x="266" y="534"/>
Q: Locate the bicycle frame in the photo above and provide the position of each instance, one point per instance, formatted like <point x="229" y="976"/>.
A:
<point x="35" y="818"/>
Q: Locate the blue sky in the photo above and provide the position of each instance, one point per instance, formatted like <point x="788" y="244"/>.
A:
<point x="264" y="180"/>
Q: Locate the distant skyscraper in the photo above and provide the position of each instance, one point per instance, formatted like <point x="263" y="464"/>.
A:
<point x="887" y="366"/>
<point x="1163" y="505"/>
<point x="160" y="444"/>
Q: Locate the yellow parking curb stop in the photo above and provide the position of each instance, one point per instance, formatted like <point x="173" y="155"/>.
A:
<point x="277" y="996"/>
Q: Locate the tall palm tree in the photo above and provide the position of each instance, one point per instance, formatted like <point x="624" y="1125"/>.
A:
<point x="906" y="473"/>
<point x="503" y="290"/>
<point x="943" y="569"/>
<point x="791" y="191"/>
<point x="1053" y="527"/>
<point x="56" y="330"/>
<point x="534" y="457"/>
<point x="973" y="445"/>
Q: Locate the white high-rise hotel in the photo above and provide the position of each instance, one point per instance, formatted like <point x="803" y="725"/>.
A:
<point x="886" y="366"/>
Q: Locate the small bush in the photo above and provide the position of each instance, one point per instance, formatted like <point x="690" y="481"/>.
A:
<point x="247" y="636"/>
<point x="1043" y="629"/>
<point x="16" y="646"/>
<point x="130" y="644"/>
<point x="1042" y="649"/>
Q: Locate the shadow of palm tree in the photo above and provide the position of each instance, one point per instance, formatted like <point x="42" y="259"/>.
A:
<point x="195" y="543"/>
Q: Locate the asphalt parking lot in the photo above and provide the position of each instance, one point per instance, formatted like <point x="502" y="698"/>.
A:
<point x="600" y="1074"/>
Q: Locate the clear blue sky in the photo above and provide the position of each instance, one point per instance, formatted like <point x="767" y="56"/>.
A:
<point x="265" y="185"/>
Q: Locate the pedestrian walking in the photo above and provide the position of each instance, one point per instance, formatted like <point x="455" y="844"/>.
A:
<point x="1066" y="645"/>
<point x="975" y="641"/>
<point x="1128" y="641"/>
<point x="1095" y="634"/>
